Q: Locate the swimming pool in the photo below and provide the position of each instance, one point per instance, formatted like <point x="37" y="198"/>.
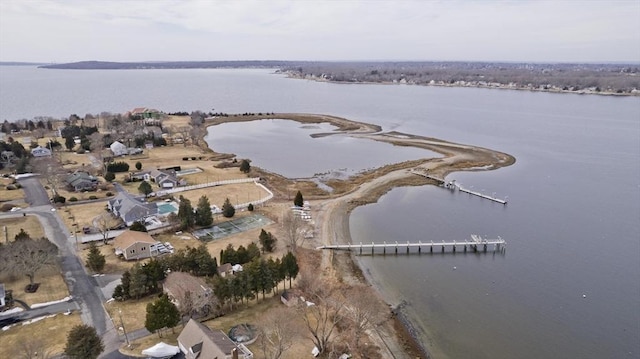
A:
<point x="166" y="208"/>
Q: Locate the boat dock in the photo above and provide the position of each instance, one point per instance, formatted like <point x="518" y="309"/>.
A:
<point x="476" y="244"/>
<point x="452" y="185"/>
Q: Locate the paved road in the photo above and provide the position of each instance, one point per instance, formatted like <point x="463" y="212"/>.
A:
<point x="82" y="287"/>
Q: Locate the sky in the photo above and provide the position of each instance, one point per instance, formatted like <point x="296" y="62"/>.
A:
<point x="352" y="30"/>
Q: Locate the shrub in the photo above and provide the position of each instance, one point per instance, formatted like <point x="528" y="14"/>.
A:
<point x="93" y="197"/>
<point x="11" y="187"/>
<point x="18" y="185"/>
<point x="109" y="176"/>
<point x="109" y="194"/>
<point x="6" y="207"/>
<point x="59" y="199"/>
<point x="73" y="199"/>
<point x="118" y="167"/>
<point x="250" y="207"/>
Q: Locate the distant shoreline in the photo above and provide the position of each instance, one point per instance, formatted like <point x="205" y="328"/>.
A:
<point x="610" y="79"/>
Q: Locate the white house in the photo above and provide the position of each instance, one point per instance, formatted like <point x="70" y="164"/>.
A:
<point x="119" y="149"/>
<point x="41" y="152"/>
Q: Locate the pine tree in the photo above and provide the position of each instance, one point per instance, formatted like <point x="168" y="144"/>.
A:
<point x="185" y="213"/>
<point x="245" y="167"/>
<point x="290" y="266"/>
<point x="267" y="241"/>
<point x="145" y="188"/>
<point x="204" y="216"/>
<point x="161" y="314"/>
<point x="227" y="209"/>
<point x="95" y="259"/>
<point x="83" y="342"/>
<point x="298" y="200"/>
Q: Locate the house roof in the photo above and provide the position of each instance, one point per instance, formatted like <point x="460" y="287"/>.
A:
<point x="204" y="341"/>
<point x="224" y="268"/>
<point x="78" y="177"/>
<point x="131" y="210"/>
<point x="178" y="283"/>
<point x="127" y="238"/>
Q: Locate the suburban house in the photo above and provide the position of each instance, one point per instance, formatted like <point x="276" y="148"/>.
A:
<point x="136" y="245"/>
<point x="41" y="152"/>
<point x="81" y="181"/>
<point x="119" y="149"/>
<point x="144" y="113"/>
<point x="225" y="269"/>
<point x="166" y="178"/>
<point x="130" y="209"/>
<point x="177" y="284"/>
<point x="199" y="341"/>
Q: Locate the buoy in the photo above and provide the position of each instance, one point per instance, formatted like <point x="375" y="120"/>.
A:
<point x="454" y="268"/>
<point x="584" y="296"/>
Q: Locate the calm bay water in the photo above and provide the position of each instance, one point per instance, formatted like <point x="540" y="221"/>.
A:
<point x="572" y="223"/>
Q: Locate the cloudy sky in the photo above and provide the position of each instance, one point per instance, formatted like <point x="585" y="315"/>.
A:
<point x="462" y="30"/>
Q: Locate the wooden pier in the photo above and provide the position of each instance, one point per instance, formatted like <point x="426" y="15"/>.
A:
<point x="476" y="244"/>
<point x="452" y="185"/>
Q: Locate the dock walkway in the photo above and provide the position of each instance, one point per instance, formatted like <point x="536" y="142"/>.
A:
<point x="476" y="243"/>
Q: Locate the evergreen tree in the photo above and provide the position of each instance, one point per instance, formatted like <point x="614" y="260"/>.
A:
<point x="22" y="235"/>
<point x="145" y="188"/>
<point x="245" y="167"/>
<point x="69" y="142"/>
<point x="161" y="314"/>
<point x="227" y="209"/>
<point x="267" y="241"/>
<point x="250" y="207"/>
<point x="138" y="165"/>
<point x="290" y="266"/>
<point x="138" y="285"/>
<point x="253" y="251"/>
<point x="204" y="216"/>
<point x="185" y="213"/>
<point x="298" y="200"/>
<point x="83" y="342"/>
<point x="95" y="259"/>
<point x="109" y="176"/>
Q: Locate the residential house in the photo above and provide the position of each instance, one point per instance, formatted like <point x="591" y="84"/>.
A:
<point x="81" y="181"/>
<point x="225" y="269"/>
<point x="199" y="341"/>
<point x="119" y="149"/>
<point x="165" y="178"/>
<point x="130" y="209"/>
<point x="136" y="245"/>
<point x="41" y="152"/>
<point x="178" y="284"/>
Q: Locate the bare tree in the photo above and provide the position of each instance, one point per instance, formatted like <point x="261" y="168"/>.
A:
<point x="363" y="312"/>
<point x="97" y="147"/>
<point x="104" y="223"/>
<point x="293" y="226"/>
<point x="51" y="170"/>
<point x="185" y="132"/>
<point x="322" y="317"/>
<point x="33" y="348"/>
<point x="28" y="256"/>
<point x="195" y="133"/>
<point x="277" y="332"/>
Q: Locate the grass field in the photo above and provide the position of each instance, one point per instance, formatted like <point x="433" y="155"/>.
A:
<point x="83" y="215"/>
<point x="49" y="334"/>
<point x="30" y="224"/>
<point x="52" y="286"/>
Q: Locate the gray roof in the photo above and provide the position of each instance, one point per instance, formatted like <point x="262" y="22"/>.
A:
<point x="131" y="210"/>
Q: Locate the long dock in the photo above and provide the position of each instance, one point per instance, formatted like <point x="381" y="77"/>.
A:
<point x="501" y="201"/>
<point x="452" y="185"/>
<point x="476" y="244"/>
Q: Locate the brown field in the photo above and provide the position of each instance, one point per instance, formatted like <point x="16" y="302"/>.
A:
<point x="114" y="264"/>
<point x="30" y="224"/>
<point x="9" y="195"/>
<point x="236" y="193"/>
<point x="82" y="215"/>
<point x="49" y="333"/>
<point x="52" y="287"/>
<point x="133" y="312"/>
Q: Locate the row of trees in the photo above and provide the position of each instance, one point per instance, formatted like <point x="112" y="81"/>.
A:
<point x="258" y="276"/>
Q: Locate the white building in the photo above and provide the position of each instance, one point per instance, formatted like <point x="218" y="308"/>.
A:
<point x="41" y="152"/>
<point x="119" y="149"/>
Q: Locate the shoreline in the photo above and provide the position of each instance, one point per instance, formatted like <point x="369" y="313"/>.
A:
<point x="334" y="209"/>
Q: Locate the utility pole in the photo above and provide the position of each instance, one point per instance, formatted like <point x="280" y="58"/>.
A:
<point x="126" y="338"/>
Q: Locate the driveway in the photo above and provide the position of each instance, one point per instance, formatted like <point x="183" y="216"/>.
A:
<point x="35" y="194"/>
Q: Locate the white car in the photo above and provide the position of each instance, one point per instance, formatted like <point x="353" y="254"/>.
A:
<point x="15" y="209"/>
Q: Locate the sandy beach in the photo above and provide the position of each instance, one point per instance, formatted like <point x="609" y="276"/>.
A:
<point x="332" y="210"/>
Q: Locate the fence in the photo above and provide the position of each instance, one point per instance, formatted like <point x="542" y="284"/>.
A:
<point x="204" y="185"/>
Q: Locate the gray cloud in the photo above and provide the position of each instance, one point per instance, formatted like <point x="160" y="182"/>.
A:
<point x="74" y="30"/>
